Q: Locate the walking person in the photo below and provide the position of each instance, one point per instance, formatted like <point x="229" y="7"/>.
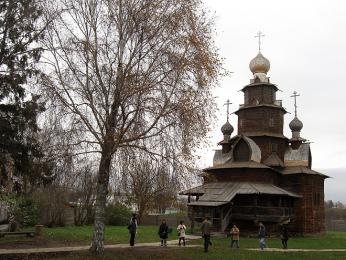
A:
<point x="284" y="236"/>
<point x="181" y="232"/>
<point x="206" y="226"/>
<point x="133" y="229"/>
<point x="235" y="236"/>
<point x="163" y="233"/>
<point x="262" y="233"/>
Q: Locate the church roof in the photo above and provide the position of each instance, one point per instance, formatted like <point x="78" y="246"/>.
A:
<point x="242" y="107"/>
<point x="260" y="84"/>
<point x="301" y="169"/>
<point x="243" y="164"/>
<point x="225" y="160"/>
<point x="274" y="160"/>
<point x="261" y="133"/>
<point x="221" y="158"/>
<point x="298" y="157"/>
<point x="218" y="193"/>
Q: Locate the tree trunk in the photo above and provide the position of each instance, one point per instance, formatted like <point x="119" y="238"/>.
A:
<point x="100" y="205"/>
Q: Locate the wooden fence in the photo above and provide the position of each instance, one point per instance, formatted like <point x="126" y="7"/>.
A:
<point x="172" y="221"/>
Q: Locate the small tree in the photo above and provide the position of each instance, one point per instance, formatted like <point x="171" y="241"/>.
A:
<point x="126" y="71"/>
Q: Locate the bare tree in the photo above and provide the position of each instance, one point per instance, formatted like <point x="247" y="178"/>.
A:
<point x="150" y="182"/>
<point x="126" y="71"/>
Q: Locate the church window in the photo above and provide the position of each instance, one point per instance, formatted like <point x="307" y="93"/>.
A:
<point x="241" y="151"/>
<point x="271" y="122"/>
<point x="317" y="198"/>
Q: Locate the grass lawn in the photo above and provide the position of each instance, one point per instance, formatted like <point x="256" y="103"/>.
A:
<point x="81" y="235"/>
<point x="113" y="234"/>
<point x="219" y="250"/>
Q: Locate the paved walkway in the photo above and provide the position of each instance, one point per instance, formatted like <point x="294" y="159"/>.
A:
<point x="170" y="243"/>
<point x="297" y="250"/>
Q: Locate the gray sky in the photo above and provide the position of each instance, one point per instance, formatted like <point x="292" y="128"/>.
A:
<point x="305" y="43"/>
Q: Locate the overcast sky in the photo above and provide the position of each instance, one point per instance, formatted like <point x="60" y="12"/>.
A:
<point x="305" y="42"/>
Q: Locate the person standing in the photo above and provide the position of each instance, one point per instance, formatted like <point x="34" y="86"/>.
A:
<point x="284" y="236"/>
<point x="262" y="233"/>
<point x="133" y="229"/>
<point x="181" y="232"/>
<point x="163" y="233"/>
<point x="206" y="226"/>
<point x="235" y="236"/>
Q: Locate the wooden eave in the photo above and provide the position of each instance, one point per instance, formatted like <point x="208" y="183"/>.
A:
<point x="260" y="106"/>
<point x="260" y="84"/>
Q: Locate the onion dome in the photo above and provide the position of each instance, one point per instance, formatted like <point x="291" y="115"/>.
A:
<point x="296" y="125"/>
<point x="259" y="64"/>
<point x="227" y="129"/>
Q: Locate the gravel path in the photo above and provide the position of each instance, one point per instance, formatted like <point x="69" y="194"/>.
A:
<point x="12" y="251"/>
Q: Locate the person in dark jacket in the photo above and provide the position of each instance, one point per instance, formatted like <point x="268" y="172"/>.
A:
<point x="133" y="229"/>
<point x="206" y="230"/>
<point x="284" y="236"/>
<point x="163" y="233"/>
<point x="262" y="233"/>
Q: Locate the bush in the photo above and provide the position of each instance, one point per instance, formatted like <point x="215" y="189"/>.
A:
<point x="51" y="203"/>
<point x="28" y="213"/>
<point x="117" y="214"/>
<point x="23" y="208"/>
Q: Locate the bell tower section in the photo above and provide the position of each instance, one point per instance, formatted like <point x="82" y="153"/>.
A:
<point x="261" y="117"/>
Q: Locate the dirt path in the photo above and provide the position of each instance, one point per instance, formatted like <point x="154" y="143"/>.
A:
<point x="14" y="251"/>
<point x="297" y="250"/>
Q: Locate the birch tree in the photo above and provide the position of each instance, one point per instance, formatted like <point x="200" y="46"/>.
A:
<point x="127" y="71"/>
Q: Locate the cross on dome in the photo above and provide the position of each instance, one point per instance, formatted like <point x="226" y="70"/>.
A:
<point x="228" y="103"/>
<point x="295" y="95"/>
<point x="259" y="35"/>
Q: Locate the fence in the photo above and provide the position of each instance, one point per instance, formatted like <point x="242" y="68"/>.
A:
<point x="171" y="221"/>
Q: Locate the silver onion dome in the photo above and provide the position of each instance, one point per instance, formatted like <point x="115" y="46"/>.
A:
<point x="259" y="64"/>
<point x="296" y="125"/>
<point x="227" y="129"/>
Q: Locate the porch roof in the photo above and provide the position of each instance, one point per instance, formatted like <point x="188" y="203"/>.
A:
<point x="223" y="192"/>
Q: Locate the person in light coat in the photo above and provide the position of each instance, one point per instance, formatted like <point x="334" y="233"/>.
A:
<point x="234" y="236"/>
<point x="181" y="232"/>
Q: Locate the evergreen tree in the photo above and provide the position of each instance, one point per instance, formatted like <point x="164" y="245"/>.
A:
<point x="20" y="31"/>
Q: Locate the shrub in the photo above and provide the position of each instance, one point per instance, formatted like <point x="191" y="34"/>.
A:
<point x="51" y="201"/>
<point x="117" y="214"/>
<point x="23" y="208"/>
<point x="27" y="212"/>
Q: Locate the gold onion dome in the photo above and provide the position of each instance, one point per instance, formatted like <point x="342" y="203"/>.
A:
<point x="296" y="125"/>
<point x="259" y="64"/>
<point x="227" y="129"/>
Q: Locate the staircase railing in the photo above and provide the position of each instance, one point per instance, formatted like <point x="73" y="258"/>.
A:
<point x="225" y="220"/>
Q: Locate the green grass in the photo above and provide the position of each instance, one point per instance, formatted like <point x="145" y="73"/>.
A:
<point x="113" y="234"/>
<point x="219" y="250"/>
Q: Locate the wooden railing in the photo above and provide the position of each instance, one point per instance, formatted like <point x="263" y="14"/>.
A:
<point x="253" y="210"/>
<point x="225" y="220"/>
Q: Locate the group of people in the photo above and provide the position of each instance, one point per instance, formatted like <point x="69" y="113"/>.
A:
<point x="262" y="235"/>
<point x="206" y="233"/>
<point x="234" y="234"/>
<point x="163" y="231"/>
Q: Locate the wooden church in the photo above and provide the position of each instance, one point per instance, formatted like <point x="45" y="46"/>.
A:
<point x="260" y="175"/>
